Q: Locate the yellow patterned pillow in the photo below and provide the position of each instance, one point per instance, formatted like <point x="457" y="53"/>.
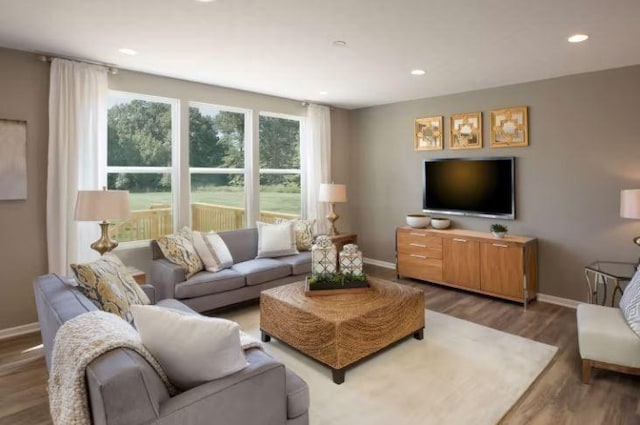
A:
<point x="108" y="282"/>
<point x="303" y="232"/>
<point x="179" y="250"/>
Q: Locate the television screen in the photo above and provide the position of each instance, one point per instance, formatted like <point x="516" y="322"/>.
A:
<point x="481" y="187"/>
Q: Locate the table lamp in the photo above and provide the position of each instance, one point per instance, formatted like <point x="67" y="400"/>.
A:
<point x="630" y="206"/>
<point x="102" y="205"/>
<point x="332" y="193"/>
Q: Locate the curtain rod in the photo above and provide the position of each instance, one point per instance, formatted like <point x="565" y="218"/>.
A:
<point x="48" y="58"/>
<point x="305" y="103"/>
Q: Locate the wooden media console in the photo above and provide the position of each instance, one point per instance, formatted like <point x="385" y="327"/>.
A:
<point x="474" y="261"/>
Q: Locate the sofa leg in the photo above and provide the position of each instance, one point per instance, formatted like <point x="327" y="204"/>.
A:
<point x="586" y="371"/>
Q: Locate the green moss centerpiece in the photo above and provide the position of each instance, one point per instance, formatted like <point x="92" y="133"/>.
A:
<point x="337" y="281"/>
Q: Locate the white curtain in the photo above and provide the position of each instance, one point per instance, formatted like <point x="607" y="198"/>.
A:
<point x="77" y="126"/>
<point x="316" y="163"/>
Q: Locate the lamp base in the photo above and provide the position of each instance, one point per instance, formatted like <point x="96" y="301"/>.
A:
<point x="105" y="243"/>
<point x="332" y="217"/>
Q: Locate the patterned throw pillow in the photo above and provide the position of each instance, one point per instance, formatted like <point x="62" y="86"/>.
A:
<point x="303" y="232"/>
<point x="212" y="251"/>
<point x="108" y="282"/>
<point x="630" y="303"/>
<point x="179" y="250"/>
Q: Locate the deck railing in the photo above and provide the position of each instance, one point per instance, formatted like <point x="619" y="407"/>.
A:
<point x="157" y="221"/>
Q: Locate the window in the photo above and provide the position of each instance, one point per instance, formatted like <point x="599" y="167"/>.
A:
<point x="217" y="167"/>
<point x="140" y="146"/>
<point x="279" y="147"/>
<point x="231" y="178"/>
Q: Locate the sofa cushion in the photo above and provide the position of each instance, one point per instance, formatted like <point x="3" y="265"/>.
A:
<point x="205" y="283"/>
<point x="603" y="335"/>
<point x="630" y="303"/>
<point x="276" y="240"/>
<point x="262" y="270"/>
<point x="243" y="244"/>
<point x="202" y="348"/>
<point x="212" y="251"/>
<point x="303" y="232"/>
<point x="300" y="263"/>
<point x="179" y="250"/>
<point x="174" y="304"/>
<point x="108" y="282"/>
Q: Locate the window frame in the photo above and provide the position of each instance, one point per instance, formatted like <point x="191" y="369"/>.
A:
<point x="172" y="169"/>
<point x="245" y="172"/>
<point x="181" y="171"/>
<point x="298" y="171"/>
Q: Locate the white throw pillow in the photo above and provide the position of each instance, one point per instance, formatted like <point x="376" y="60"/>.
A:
<point x="630" y="303"/>
<point x="212" y="251"/>
<point x="276" y="240"/>
<point x="192" y="349"/>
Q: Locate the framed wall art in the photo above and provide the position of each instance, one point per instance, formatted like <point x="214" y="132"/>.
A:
<point x="13" y="160"/>
<point x="509" y="128"/>
<point x="466" y="131"/>
<point x="428" y="134"/>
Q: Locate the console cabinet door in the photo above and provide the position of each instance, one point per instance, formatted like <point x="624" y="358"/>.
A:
<point x="461" y="262"/>
<point x="501" y="269"/>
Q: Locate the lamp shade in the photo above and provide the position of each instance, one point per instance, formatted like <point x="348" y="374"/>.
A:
<point x="332" y="193"/>
<point x="630" y="203"/>
<point x="98" y="205"/>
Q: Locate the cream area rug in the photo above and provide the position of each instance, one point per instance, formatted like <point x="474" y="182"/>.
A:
<point x="461" y="373"/>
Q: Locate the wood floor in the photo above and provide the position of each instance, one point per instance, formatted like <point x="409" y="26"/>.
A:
<point x="557" y="397"/>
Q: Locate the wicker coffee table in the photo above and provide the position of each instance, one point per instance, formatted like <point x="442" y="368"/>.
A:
<point x="339" y="330"/>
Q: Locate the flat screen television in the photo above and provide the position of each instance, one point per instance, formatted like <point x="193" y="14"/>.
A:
<point x="481" y="187"/>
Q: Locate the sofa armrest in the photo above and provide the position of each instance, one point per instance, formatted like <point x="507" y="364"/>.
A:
<point x="163" y="276"/>
<point x="150" y="290"/>
<point x="124" y="389"/>
<point x="254" y="395"/>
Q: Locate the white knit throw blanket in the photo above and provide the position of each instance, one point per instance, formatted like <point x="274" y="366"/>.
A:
<point x="77" y="343"/>
<point x="81" y="340"/>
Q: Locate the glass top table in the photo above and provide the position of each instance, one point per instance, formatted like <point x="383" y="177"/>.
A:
<point x="601" y="274"/>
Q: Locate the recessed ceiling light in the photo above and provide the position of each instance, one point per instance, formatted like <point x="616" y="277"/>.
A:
<point x="129" y="52"/>
<point x="418" y="72"/>
<point x="339" y="43"/>
<point x="323" y="93"/>
<point x="577" y="38"/>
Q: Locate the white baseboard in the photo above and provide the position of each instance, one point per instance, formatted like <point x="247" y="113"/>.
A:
<point x="379" y="263"/>
<point x="551" y="299"/>
<point x="19" y="330"/>
<point x="565" y="302"/>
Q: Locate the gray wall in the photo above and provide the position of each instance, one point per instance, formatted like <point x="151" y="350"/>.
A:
<point x="24" y="95"/>
<point x="583" y="150"/>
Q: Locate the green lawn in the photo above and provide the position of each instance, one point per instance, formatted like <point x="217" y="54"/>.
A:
<point x="288" y="203"/>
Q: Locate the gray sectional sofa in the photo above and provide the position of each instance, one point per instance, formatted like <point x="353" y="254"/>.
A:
<point x="243" y="281"/>
<point x="125" y="390"/>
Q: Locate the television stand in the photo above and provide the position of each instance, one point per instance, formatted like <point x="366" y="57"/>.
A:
<point x="474" y="261"/>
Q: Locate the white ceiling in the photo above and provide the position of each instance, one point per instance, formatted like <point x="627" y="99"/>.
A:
<point x="284" y="47"/>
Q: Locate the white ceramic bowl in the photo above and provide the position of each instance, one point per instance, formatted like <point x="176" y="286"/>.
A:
<point x="418" y="221"/>
<point x="440" y="223"/>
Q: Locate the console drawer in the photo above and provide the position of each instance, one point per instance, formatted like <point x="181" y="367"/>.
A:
<point x="420" y="243"/>
<point x="419" y="266"/>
